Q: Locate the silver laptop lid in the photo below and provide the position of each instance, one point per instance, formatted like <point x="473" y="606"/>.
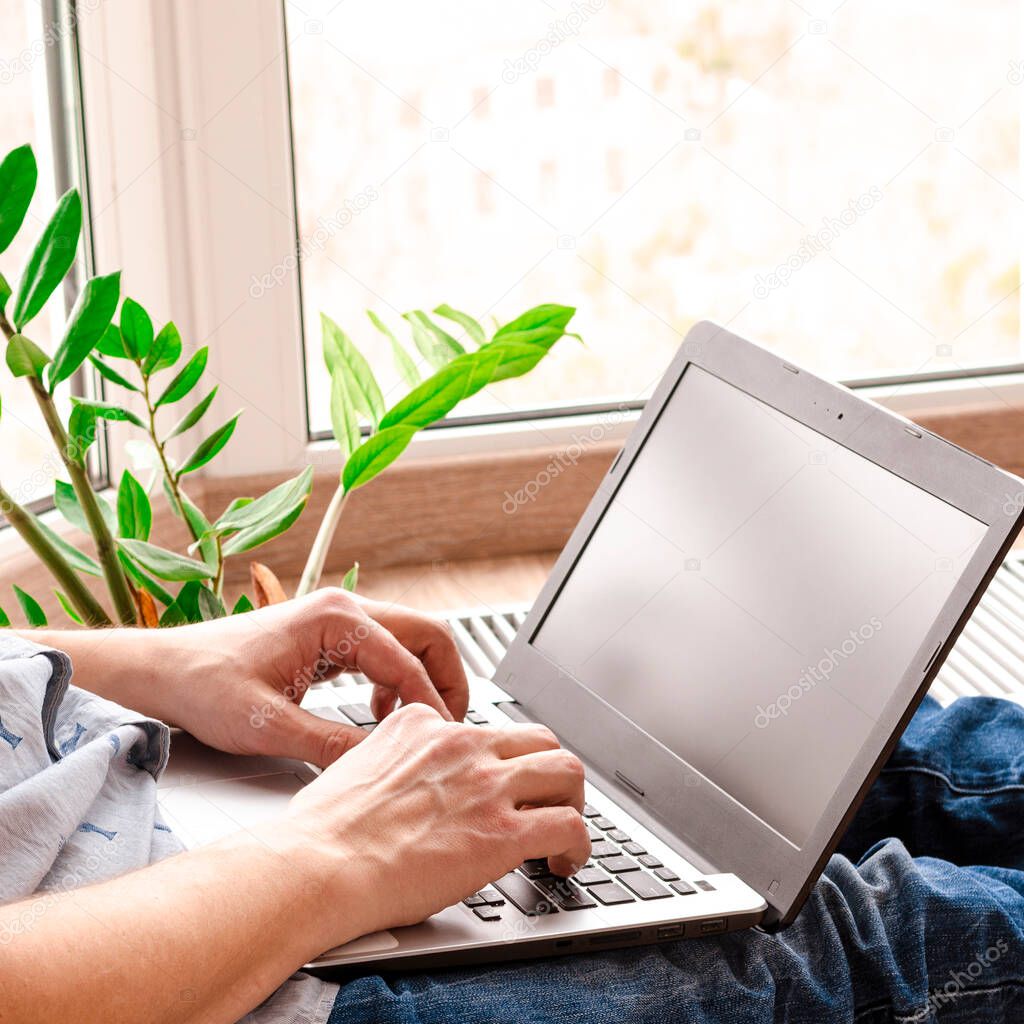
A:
<point x="754" y="602"/>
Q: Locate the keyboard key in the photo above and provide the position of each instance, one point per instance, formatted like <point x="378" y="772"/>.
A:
<point x="590" y="876"/>
<point x="368" y="727"/>
<point x="611" y="894"/>
<point x="475" y="718"/>
<point x="706" y="886"/>
<point x="683" y="888"/>
<point x="565" y="894"/>
<point x="604" y="823"/>
<point x="666" y="874"/>
<point x="618" y="835"/>
<point x="620" y="864"/>
<point x="602" y="849"/>
<point x="535" y="868"/>
<point x="594" y="833"/>
<point x="634" y="848"/>
<point x="358" y="713"/>
<point x="590" y="812"/>
<point x="474" y="901"/>
<point x="649" y="861"/>
<point x="524" y="896"/>
<point x="491" y="897"/>
<point x="644" y="886"/>
<point x="487" y="913"/>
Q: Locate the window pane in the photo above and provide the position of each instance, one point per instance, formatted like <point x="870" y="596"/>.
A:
<point x="843" y="186"/>
<point x="30" y="462"/>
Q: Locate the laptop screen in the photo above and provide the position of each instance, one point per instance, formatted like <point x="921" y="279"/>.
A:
<point x="752" y="596"/>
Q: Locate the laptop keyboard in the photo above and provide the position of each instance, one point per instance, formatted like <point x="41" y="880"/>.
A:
<point x="619" y="870"/>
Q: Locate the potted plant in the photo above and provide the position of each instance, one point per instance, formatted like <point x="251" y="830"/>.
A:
<point x="150" y="585"/>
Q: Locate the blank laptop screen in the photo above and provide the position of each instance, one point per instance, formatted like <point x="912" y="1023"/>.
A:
<point x="752" y="596"/>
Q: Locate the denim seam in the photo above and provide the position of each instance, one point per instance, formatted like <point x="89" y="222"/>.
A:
<point x="987" y="990"/>
<point x="963" y="790"/>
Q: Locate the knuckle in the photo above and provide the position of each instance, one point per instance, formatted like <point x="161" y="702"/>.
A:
<point x="336" y="744"/>
<point x="334" y="601"/>
<point x="569" y="764"/>
<point x="545" y="735"/>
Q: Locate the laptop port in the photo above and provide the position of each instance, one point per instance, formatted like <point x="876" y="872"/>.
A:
<point x="608" y="938"/>
<point x="716" y="924"/>
<point x="670" y="931"/>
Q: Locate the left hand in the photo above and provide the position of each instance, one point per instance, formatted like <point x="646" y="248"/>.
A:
<point x="236" y="683"/>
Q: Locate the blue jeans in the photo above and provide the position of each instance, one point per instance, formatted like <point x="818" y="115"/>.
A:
<point x="918" y="918"/>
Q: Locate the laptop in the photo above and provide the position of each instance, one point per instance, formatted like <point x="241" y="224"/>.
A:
<point x="735" y="636"/>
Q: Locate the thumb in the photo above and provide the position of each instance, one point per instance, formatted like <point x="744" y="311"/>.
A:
<point x="306" y="736"/>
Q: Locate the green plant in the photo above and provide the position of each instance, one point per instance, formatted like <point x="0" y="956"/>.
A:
<point x="461" y="370"/>
<point x="147" y="367"/>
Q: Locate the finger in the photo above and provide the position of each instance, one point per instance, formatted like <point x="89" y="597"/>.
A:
<point x="559" y="834"/>
<point x="297" y="733"/>
<point x="547" y="778"/>
<point x="383" y="660"/>
<point x="382" y="703"/>
<point x="431" y="641"/>
<point x="514" y="740"/>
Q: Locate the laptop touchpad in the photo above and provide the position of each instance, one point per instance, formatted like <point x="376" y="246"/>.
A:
<point x="208" y="811"/>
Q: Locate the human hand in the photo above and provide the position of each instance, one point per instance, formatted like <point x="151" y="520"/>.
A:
<point x="236" y="683"/>
<point x="426" y="812"/>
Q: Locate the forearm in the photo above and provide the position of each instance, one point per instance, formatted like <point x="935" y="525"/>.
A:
<point x="137" y="668"/>
<point x="204" y="936"/>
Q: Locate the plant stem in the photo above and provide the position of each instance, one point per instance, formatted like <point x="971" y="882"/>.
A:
<point x="106" y="548"/>
<point x="177" y="504"/>
<point x="321" y="545"/>
<point x="77" y="592"/>
<point x="218" y="581"/>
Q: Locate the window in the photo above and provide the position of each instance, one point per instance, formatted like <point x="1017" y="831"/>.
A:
<point x="37" y="80"/>
<point x="840" y="182"/>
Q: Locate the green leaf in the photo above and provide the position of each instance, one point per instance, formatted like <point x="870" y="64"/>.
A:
<point x="136" y="329"/>
<point x="344" y="422"/>
<point x="78" y="560"/>
<point x="5" y="292"/>
<point x="464" y="320"/>
<point x="190" y="419"/>
<point x="107" y="372"/>
<point x="142" y="580"/>
<point x="90" y="317"/>
<point x="166" y="350"/>
<point x="66" y="500"/>
<point x="165" y="565"/>
<point x="375" y="455"/>
<point x="342" y="356"/>
<point x="30" y="606"/>
<point x="134" y="512"/>
<point x="403" y="361"/>
<point x="108" y="411"/>
<point x="434" y="398"/>
<point x="537" y="325"/>
<point x="186" y="380"/>
<point x="50" y="260"/>
<point x="69" y="610"/>
<point x="81" y="431"/>
<point x="266" y="517"/>
<point x="194" y="603"/>
<point x="435" y="344"/>
<point x="5" y="621"/>
<point x="351" y="579"/>
<point x="209" y="448"/>
<point x="25" y="358"/>
<point x="112" y="344"/>
<point x="242" y="605"/>
<point x="199" y="525"/>
<point x="18" y="174"/>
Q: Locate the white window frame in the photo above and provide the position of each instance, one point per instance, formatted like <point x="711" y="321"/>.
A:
<point x="172" y="95"/>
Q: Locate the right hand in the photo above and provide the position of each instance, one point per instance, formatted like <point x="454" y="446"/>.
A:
<point x="425" y="812"/>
